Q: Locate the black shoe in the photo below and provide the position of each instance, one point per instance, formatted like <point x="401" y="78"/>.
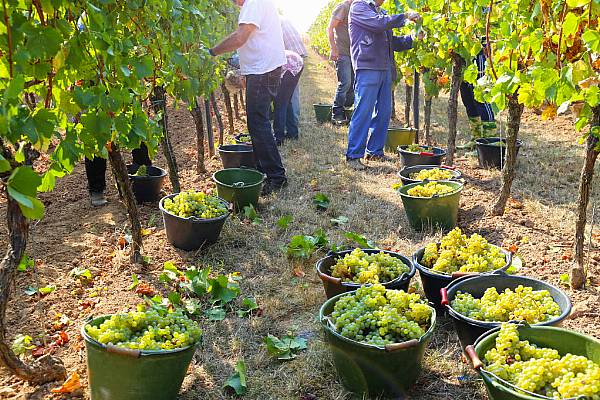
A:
<point x="339" y="119"/>
<point x="376" y="157"/>
<point x="270" y="187"/>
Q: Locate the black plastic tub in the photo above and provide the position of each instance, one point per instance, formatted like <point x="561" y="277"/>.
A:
<point x="406" y="172"/>
<point x="490" y="154"/>
<point x="334" y="286"/>
<point x="469" y="329"/>
<point x="434" y="281"/>
<point x="243" y="138"/>
<point x="146" y="189"/>
<point x="237" y="155"/>
<point x="192" y="233"/>
<point x="433" y="156"/>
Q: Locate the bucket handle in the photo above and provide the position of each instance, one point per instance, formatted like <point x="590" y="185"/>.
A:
<point x="472" y="355"/>
<point x="238" y="184"/>
<point x="456" y="275"/>
<point x="426" y="153"/>
<point x="327" y="278"/>
<point x="401" y="346"/>
<point x="450" y="167"/>
<point x="444" y="293"/>
<point x="111" y="348"/>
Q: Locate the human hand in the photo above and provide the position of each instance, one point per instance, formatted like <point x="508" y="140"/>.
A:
<point x="420" y="35"/>
<point x="334" y="55"/>
<point x="413" y="16"/>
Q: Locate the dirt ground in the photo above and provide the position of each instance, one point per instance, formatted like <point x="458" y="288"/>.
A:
<point x="540" y="221"/>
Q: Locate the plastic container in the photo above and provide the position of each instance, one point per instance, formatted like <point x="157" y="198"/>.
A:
<point x="239" y="186"/>
<point x="322" y="112"/>
<point x="431" y="212"/>
<point x="491" y="155"/>
<point x="369" y="370"/>
<point x="399" y="137"/>
<point x="116" y="373"/>
<point x="146" y="189"/>
<point x="469" y="329"/>
<point x="433" y="156"/>
<point x="243" y="138"/>
<point x="191" y="233"/>
<point x="563" y="340"/>
<point x="406" y="172"/>
<point x="434" y="281"/>
<point x="334" y="286"/>
<point x="237" y="155"/>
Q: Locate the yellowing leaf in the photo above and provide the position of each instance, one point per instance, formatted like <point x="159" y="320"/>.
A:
<point x="549" y="112"/>
<point x="72" y="383"/>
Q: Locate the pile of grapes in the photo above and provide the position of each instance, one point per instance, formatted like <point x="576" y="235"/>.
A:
<point x="377" y="316"/>
<point x="542" y="370"/>
<point x="457" y="253"/>
<point x="430" y="189"/>
<point x="360" y="267"/>
<point x="147" y="330"/>
<point x="415" y="148"/>
<point x="433" y="174"/>
<point x="195" y="204"/>
<point x="522" y="304"/>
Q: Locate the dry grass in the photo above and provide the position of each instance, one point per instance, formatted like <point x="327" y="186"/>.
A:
<point x="73" y="233"/>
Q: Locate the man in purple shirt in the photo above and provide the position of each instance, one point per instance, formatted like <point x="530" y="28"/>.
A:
<point x="372" y="46"/>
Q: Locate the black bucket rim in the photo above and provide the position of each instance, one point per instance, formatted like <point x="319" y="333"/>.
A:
<point x="322" y="105"/>
<point x="502" y="275"/>
<point x="406" y="276"/>
<point x="429" y="273"/>
<point x="487" y="141"/>
<point x="192" y="218"/>
<point x="248" y="149"/>
<point x="139" y="353"/>
<point x="163" y="173"/>
<point x="218" y="182"/>
<point x="411" y="185"/>
<point x="437" y="151"/>
<point x="417" y="168"/>
<point x="323" y="319"/>
<point x="402" y="128"/>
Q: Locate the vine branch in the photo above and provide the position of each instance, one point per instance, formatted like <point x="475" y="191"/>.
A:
<point x="9" y="37"/>
<point x="488" y="41"/>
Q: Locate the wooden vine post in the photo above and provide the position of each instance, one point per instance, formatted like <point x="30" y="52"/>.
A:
<point x="159" y="104"/>
<point x="196" y="112"/>
<point x="458" y="64"/>
<point x="215" y="107"/>
<point x="209" y="130"/>
<point x="228" y="108"/>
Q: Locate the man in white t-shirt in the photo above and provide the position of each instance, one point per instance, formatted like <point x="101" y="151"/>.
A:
<point x="259" y="42"/>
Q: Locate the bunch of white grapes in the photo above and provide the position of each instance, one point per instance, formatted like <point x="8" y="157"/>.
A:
<point x="430" y="189"/>
<point x="360" y="267"/>
<point x="195" y="204"/>
<point x="432" y="174"/>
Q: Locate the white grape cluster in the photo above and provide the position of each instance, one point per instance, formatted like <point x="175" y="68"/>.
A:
<point x="377" y="316"/>
<point x="457" y="253"/>
<point x="147" y="330"/>
<point x="432" y="174"/>
<point x="542" y="370"/>
<point x="196" y="204"/>
<point x="522" y="304"/>
<point x="360" y="267"/>
<point x="430" y="189"/>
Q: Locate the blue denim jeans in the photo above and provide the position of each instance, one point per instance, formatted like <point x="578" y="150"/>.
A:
<point x="344" y="96"/>
<point x="283" y="99"/>
<point x="260" y="93"/>
<point x="293" y="114"/>
<point x="473" y="107"/>
<point x="372" y="113"/>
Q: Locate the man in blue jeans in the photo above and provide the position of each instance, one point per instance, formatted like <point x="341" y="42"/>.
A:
<point x="259" y="42"/>
<point x="372" y="46"/>
<point x="339" y="42"/>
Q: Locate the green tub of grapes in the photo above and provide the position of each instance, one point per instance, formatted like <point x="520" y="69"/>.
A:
<point x="240" y="186"/>
<point x="546" y="370"/>
<point x="193" y="219"/>
<point x="435" y="206"/>
<point x="383" y="369"/>
<point x="119" y="372"/>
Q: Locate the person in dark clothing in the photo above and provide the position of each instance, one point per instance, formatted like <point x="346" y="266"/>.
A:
<point x="95" y="170"/>
<point x="291" y="72"/>
<point x="339" y="42"/>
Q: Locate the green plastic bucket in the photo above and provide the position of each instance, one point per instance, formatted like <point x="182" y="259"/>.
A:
<point x="399" y="137"/>
<point x="430" y="212"/>
<point x="117" y="373"/>
<point x="322" y="112"/>
<point x="240" y="186"/>
<point x="563" y="340"/>
<point x="370" y="370"/>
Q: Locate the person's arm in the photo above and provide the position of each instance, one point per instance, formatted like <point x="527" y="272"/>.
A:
<point x="234" y="41"/>
<point x="402" y="43"/>
<point x="365" y="17"/>
<point x="335" y="53"/>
